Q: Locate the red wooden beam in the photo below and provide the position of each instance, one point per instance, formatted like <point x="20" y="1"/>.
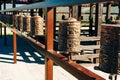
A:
<point x="15" y="47"/>
<point x="49" y="42"/>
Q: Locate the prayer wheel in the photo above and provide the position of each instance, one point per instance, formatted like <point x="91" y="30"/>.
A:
<point x="15" y="20"/>
<point x="69" y="35"/>
<point x="110" y="49"/>
<point x="37" y="25"/>
<point x="20" y="22"/>
<point x="27" y="23"/>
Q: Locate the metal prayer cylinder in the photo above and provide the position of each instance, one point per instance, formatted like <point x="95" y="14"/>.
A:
<point x="37" y="25"/>
<point x="15" y="20"/>
<point x="69" y="35"/>
<point x="110" y="49"/>
<point x="27" y="23"/>
<point x="20" y="22"/>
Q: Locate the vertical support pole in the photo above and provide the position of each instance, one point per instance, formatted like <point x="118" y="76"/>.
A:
<point x="75" y="12"/>
<point x="4" y="6"/>
<point x="98" y="19"/>
<point x="108" y="7"/>
<point x="15" y="47"/>
<point x="5" y="43"/>
<point x="1" y="31"/>
<point x="14" y="38"/>
<point x="40" y="12"/>
<point x="5" y="36"/>
<point x="0" y="19"/>
<point x="49" y="43"/>
<point x="0" y="5"/>
<point x="79" y="12"/>
<point x="31" y="12"/>
<point x="119" y="11"/>
<point x="54" y="32"/>
<point x="91" y="20"/>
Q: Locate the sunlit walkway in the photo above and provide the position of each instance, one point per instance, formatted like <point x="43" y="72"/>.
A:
<point x="30" y="64"/>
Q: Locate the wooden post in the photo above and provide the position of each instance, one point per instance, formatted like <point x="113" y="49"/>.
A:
<point x="5" y="43"/>
<point x="15" y="47"/>
<point x="54" y="32"/>
<point x="75" y="12"/>
<point x="0" y="19"/>
<point x="1" y="31"/>
<point x="4" y="6"/>
<point x="49" y="42"/>
<point x="108" y="12"/>
<point x="119" y="11"/>
<point x="5" y="37"/>
<point x="0" y="5"/>
<point x="31" y="12"/>
<point x="79" y="12"/>
<point x="14" y="38"/>
<point x="98" y="19"/>
<point x="40" y="12"/>
<point x="91" y="19"/>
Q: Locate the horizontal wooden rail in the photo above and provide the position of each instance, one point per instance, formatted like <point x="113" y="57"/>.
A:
<point x="54" y="3"/>
<point x="75" y="69"/>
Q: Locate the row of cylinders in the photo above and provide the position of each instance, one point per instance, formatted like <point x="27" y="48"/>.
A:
<point x="29" y="24"/>
<point x="69" y="30"/>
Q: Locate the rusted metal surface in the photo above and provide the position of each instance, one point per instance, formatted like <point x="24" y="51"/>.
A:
<point x="110" y="48"/>
<point x="76" y="70"/>
<point x="69" y="35"/>
<point x="15" y="20"/>
<point x="49" y="42"/>
<point x="37" y="25"/>
<point x="27" y="23"/>
<point x="20" y="22"/>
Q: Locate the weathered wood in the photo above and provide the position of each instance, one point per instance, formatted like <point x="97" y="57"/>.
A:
<point x="91" y="19"/>
<point x="75" y="12"/>
<point x="85" y="57"/>
<point x="4" y="6"/>
<point x="84" y="38"/>
<point x="5" y="36"/>
<point x="0" y="5"/>
<point x="49" y="42"/>
<point x="89" y="47"/>
<point x="108" y="12"/>
<point x="1" y="31"/>
<point x="98" y="19"/>
<point x="93" y="38"/>
<point x="79" y="12"/>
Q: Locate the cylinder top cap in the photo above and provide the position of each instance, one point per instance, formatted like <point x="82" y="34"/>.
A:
<point x="71" y="19"/>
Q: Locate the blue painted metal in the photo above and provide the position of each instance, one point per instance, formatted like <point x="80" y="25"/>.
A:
<point x="54" y="3"/>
